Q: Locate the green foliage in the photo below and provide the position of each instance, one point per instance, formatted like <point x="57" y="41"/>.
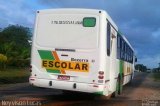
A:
<point x="156" y="76"/>
<point x="18" y="34"/>
<point x="156" y="69"/>
<point x="14" y="45"/>
<point x="141" y="67"/>
<point x="3" y="60"/>
<point x="14" y="75"/>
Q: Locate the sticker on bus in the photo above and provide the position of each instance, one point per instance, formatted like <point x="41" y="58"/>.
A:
<point x="65" y="65"/>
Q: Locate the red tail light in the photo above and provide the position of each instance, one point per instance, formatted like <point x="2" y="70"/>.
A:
<point x="101" y="75"/>
<point x="101" y="72"/>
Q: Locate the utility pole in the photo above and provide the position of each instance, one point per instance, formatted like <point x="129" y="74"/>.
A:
<point x="159" y="65"/>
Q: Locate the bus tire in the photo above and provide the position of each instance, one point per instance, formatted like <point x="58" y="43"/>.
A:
<point x="120" y="86"/>
<point x="115" y="94"/>
<point x="131" y="80"/>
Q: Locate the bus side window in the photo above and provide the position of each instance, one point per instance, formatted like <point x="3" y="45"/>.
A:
<point x="124" y="51"/>
<point x="108" y="38"/>
<point x="127" y="53"/>
<point x="118" y="46"/>
<point x="121" y="47"/>
<point x="132" y="57"/>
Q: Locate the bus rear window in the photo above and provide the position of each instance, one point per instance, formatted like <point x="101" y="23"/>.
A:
<point x="71" y="35"/>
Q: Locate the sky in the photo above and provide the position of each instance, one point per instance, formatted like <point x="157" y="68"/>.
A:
<point x="138" y="20"/>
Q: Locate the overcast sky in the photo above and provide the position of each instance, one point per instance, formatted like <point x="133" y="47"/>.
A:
<point x="138" y="20"/>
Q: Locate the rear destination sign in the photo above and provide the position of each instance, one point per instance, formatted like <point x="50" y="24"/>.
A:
<point x="66" y="22"/>
<point x="66" y="65"/>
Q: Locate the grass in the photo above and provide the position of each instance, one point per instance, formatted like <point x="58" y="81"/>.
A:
<point x="14" y="75"/>
<point x="156" y="76"/>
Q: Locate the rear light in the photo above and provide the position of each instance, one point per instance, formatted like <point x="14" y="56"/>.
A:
<point x="101" y="75"/>
<point x="101" y="72"/>
<point x="30" y="68"/>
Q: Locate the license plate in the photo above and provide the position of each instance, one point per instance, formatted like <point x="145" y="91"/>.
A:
<point x="63" y="77"/>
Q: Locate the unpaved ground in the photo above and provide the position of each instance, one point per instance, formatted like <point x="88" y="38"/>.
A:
<point x="143" y="91"/>
<point x="143" y="87"/>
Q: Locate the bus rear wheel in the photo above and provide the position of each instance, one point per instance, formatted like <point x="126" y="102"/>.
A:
<point x="115" y="94"/>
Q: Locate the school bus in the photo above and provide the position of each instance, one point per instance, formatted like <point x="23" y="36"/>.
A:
<point x="80" y="50"/>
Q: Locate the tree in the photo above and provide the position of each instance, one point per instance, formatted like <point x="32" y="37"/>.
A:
<point x="141" y="67"/>
<point x="19" y="34"/>
<point x="3" y="60"/>
<point x="14" y="44"/>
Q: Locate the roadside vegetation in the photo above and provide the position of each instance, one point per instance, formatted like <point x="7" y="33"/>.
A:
<point x="156" y="76"/>
<point x="14" y="53"/>
<point x="14" y="75"/>
<point x="141" y="67"/>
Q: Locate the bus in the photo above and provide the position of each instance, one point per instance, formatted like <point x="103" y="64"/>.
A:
<point x="80" y="50"/>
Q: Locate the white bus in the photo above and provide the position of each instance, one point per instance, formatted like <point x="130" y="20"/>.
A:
<point x="80" y="50"/>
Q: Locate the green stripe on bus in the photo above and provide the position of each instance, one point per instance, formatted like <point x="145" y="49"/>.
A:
<point x="53" y="71"/>
<point x="99" y="92"/>
<point x="46" y="54"/>
<point x="121" y="64"/>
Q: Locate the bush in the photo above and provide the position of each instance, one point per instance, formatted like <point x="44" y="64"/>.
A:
<point x="3" y="61"/>
<point x="14" y="75"/>
<point x="14" y="44"/>
<point x="19" y="62"/>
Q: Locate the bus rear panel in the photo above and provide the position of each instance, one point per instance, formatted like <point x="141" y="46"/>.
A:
<point x="65" y="50"/>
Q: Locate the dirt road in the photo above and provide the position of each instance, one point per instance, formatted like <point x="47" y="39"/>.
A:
<point x="143" y="91"/>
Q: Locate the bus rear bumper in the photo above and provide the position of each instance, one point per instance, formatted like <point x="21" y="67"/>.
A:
<point x="67" y="85"/>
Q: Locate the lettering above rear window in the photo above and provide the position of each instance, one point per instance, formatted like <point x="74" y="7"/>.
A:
<point x="65" y="22"/>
